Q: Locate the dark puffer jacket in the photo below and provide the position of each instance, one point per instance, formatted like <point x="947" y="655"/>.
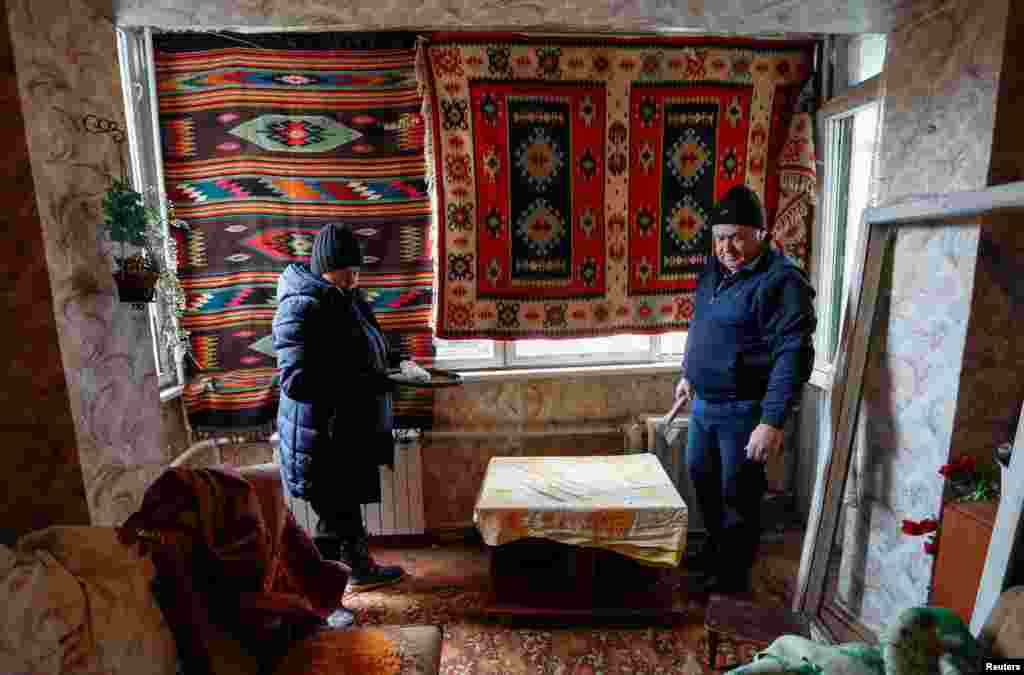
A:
<point x="751" y="335"/>
<point x="334" y="419"/>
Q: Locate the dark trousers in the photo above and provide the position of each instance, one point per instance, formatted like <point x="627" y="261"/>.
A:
<point x="729" y="487"/>
<point x="339" y="523"/>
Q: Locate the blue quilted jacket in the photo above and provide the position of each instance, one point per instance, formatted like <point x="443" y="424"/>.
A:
<point x="335" y="414"/>
<point x="751" y="335"/>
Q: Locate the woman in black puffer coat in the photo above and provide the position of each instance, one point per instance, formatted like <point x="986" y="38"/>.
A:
<point x="335" y="417"/>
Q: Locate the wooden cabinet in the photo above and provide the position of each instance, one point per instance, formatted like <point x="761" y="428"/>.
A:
<point x="963" y="545"/>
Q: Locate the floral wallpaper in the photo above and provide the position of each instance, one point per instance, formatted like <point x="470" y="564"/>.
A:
<point x="66" y="59"/>
<point x="923" y="399"/>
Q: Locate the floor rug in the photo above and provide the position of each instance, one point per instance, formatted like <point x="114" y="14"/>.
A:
<point x="447" y="586"/>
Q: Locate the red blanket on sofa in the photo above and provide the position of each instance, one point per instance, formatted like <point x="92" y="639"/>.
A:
<point x="238" y="577"/>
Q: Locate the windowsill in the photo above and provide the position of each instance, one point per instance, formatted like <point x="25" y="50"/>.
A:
<point x="171" y="393"/>
<point x="509" y="374"/>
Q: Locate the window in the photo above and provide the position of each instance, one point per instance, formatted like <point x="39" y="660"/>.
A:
<point x="138" y="81"/>
<point x="616" y="349"/>
<point x="849" y="125"/>
<point x="866" y="55"/>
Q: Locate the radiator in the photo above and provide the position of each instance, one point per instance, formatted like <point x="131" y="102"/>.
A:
<point x="673" y="458"/>
<point x="400" y="510"/>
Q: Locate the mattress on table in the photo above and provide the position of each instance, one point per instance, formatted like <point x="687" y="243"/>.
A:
<point x="623" y="503"/>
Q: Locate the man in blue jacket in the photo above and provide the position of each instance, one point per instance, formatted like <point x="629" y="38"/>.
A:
<point x="748" y="355"/>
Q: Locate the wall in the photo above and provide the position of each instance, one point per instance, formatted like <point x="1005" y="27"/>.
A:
<point x="492" y="415"/>
<point x="738" y="16"/>
<point x="42" y="480"/>
<point x="67" y="67"/>
<point x="942" y="78"/>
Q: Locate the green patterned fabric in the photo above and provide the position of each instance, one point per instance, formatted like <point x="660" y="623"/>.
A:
<point x="926" y="640"/>
<point x="921" y="641"/>
<point x="795" y="655"/>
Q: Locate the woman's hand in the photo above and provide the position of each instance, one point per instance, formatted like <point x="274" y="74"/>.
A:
<point x="411" y="370"/>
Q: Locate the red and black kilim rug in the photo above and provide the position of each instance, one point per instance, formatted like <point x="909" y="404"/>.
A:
<point x="574" y="176"/>
<point x="266" y="138"/>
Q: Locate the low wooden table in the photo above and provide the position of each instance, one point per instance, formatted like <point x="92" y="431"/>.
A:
<point x="747" y="622"/>
<point x="591" y="537"/>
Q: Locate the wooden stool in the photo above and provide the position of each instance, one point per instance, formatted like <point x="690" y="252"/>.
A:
<point x="744" y="621"/>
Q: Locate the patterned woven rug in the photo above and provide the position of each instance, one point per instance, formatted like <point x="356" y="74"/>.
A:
<point x="575" y="176"/>
<point x="448" y="585"/>
<point x="266" y="138"/>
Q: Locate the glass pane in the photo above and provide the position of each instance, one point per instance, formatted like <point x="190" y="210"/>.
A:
<point x="866" y="57"/>
<point x="862" y="157"/>
<point x="464" y="350"/>
<point x="585" y="347"/>
<point x="840" y="140"/>
<point x="673" y="344"/>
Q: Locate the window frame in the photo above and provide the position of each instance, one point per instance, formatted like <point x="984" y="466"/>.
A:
<point x="142" y="125"/>
<point x="505" y="358"/>
<point x="832" y="284"/>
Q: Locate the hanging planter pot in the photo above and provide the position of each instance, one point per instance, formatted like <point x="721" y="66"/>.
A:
<point x="127" y="223"/>
<point x="136" y="280"/>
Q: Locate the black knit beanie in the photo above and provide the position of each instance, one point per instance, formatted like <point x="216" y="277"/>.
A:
<point x="335" y="247"/>
<point x="739" y="206"/>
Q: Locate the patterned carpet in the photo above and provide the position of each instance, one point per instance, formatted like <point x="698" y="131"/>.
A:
<point x="447" y="586"/>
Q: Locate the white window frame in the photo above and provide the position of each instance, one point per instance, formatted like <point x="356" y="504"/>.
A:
<point x="832" y="284"/>
<point x="138" y="85"/>
<point x="505" y="358"/>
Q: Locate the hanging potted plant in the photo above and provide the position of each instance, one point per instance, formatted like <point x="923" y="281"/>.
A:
<point x="175" y="337"/>
<point x="127" y="224"/>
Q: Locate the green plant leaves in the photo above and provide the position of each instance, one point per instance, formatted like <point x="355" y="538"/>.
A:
<point x="124" y="214"/>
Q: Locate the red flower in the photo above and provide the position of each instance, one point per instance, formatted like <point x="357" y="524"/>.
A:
<point x="911" y="527"/>
<point x="962" y="464"/>
<point x="915" y="528"/>
<point x="931" y="548"/>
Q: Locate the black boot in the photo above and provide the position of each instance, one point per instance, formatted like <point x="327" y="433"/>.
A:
<point x="328" y="546"/>
<point x="706" y="561"/>
<point x="366" y="574"/>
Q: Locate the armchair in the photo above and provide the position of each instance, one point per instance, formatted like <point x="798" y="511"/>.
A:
<point x="82" y="601"/>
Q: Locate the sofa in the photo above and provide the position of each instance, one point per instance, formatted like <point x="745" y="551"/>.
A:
<point x="93" y="601"/>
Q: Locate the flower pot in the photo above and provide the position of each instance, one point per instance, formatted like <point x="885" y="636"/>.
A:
<point x="136" y="280"/>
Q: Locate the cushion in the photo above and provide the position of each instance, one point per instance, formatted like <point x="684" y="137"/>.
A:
<point x="44" y="610"/>
<point x="77" y="600"/>
<point x="383" y="650"/>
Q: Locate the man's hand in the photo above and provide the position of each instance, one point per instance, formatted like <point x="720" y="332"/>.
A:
<point x="683" y="389"/>
<point x="766" y="441"/>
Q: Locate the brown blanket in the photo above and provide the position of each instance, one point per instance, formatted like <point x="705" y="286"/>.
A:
<point x="238" y="578"/>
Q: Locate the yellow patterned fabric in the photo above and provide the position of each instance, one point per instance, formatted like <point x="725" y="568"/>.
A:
<point x="623" y="503"/>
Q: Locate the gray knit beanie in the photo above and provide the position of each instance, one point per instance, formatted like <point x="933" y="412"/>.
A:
<point x="335" y="247"/>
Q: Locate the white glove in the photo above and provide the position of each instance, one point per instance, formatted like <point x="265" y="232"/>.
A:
<point x="410" y="370"/>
